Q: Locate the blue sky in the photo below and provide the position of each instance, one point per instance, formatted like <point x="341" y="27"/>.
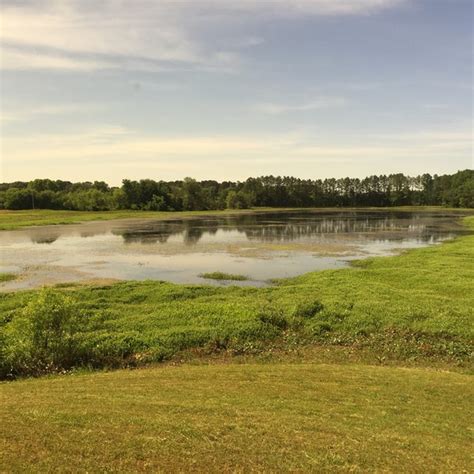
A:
<point x="220" y="89"/>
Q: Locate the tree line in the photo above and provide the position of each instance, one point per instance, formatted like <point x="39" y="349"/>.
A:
<point x="456" y="190"/>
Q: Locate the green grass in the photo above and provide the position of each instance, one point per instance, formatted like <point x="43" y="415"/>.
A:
<point x="4" y="277"/>
<point x="245" y="388"/>
<point x="248" y="417"/>
<point x="10" y="220"/>
<point x="223" y="276"/>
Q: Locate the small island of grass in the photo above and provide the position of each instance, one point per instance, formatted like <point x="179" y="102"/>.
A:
<point x="223" y="276"/>
<point x="4" y="277"/>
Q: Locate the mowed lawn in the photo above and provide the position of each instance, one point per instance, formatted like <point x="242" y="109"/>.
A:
<point x="269" y="417"/>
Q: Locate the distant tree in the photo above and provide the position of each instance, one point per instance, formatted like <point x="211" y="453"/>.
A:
<point x="193" y="196"/>
<point x="156" y="203"/>
<point x="238" y="200"/>
<point x="18" y="199"/>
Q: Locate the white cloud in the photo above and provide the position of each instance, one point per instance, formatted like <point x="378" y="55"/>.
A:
<point x="315" y="7"/>
<point x="121" y="143"/>
<point x="115" y="152"/>
<point x="319" y="103"/>
<point x="19" y="114"/>
<point x="142" y="34"/>
<point x="12" y="59"/>
<point x="65" y="35"/>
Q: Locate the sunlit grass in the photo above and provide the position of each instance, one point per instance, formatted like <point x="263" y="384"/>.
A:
<point x="248" y="417"/>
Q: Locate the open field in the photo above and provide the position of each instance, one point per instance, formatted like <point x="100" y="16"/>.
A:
<point x="10" y="220"/>
<point x="244" y="417"/>
<point x="330" y="371"/>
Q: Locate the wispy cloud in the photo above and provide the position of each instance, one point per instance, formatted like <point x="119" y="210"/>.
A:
<point x="84" y="35"/>
<point x="142" y="34"/>
<point x="122" y="143"/>
<point x="319" y="103"/>
<point x="20" y="114"/>
<point x="315" y="7"/>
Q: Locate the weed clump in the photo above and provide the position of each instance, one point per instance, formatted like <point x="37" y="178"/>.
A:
<point x="223" y="276"/>
<point x="274" y="317"/>
<point x="308" y="309"/>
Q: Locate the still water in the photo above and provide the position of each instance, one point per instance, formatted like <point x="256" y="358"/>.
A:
<point x="261" y="245"/>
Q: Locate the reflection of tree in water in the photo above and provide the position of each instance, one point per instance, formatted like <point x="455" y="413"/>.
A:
<point x="191" y="230"/>
<point x="192" y="235"/>
<point x="44" y="240"/>
<point x="93" y="233"/>
<point x="144" y="238"/>
<point x="288" y="227"/>
<point x="335" y="225"/>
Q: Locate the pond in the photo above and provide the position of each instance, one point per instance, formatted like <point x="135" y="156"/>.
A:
<point x="260" y="245"/>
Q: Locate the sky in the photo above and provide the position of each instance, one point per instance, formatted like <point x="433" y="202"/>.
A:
<point x="227" y="89"/>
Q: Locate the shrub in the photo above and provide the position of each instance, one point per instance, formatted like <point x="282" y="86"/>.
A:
<point x="54" y="319"/>
<point x="43" y="337"/>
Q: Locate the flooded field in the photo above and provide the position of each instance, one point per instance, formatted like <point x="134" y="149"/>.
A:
<point x="261" y="246"/>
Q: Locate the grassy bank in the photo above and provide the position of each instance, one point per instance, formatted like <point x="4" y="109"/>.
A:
<point x="418" y="305"/>
<point x="10" y="220"/>
<point x="248" y="417"/>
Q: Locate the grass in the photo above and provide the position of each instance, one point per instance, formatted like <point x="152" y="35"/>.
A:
<point x="244" y="418"/>
<point x="10" y="220"/>
<point x="259" y="398"/>
<point x="223" y="276"/>
<point x="4" y="277"/>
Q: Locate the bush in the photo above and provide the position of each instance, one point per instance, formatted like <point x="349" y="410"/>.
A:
<point x="42" y="337"/>
<point x="54" y="320"/>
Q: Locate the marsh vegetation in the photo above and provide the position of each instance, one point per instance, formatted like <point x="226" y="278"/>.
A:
<point x="223" y="276"/>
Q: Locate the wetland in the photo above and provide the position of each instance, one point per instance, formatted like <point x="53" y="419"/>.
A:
<point x="263" y="245"/>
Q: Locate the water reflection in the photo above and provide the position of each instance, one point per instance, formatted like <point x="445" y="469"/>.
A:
<point x="293" y="227"/>
<point x="44" y="240"/>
